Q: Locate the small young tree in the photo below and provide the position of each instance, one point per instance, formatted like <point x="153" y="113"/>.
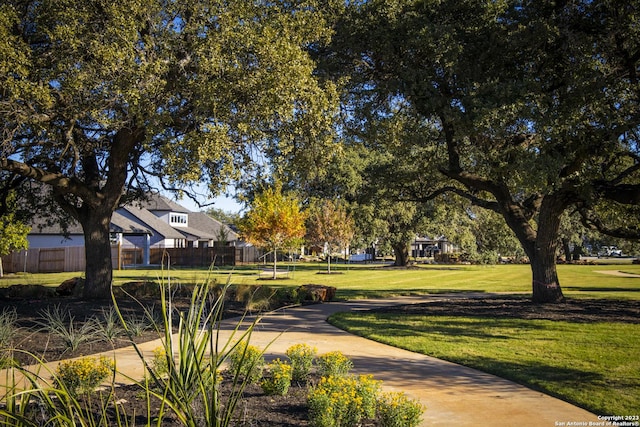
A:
<point x="13" y="236"/>
<point x="330" y="224"/>
<point x="273" y="222"/>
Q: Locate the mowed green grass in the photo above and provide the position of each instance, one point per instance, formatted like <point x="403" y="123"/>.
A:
<point x="593" y="365"/>
<point x="357" y="281"/>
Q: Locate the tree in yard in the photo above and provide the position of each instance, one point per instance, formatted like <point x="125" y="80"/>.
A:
<point x="100" y="100"/>
<point x="13" y="235"/>
<point x="329" y="223"/>
<point x="274" y="222"/>
<point x="534" y="107"/>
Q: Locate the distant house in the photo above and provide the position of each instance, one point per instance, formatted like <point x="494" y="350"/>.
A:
<point x="424" y="246"/>
<point x="158" y="223"/>
<point x="44" y="235"/>
<point x="173" y="226"/>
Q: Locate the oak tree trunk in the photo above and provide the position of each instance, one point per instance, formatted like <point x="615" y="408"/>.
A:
<point x="545" y="284"/>
<point x="98" y="271"/>
<point x="401" y="252"/>
<point x="541" y="246"/>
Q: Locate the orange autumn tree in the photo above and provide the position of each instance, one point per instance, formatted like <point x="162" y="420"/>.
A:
<point x="274" y="222"/>
<point x="330" y="225"/>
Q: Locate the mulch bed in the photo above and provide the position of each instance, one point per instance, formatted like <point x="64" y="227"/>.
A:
<point x="574" y="310"/>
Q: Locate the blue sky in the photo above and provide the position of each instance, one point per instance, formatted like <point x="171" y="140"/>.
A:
<point x="222" y="202"/>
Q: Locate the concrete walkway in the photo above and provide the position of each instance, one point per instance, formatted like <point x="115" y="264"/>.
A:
<point x="454" y="395"/>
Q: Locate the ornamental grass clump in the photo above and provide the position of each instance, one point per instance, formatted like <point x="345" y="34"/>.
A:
<point x="61" y="323"/>
<point x="184" y="373"/>
<point x="395" y="409"/>
<point x="84" y="375"/>
<point x="8" y="330"/>
<point x="342" y="401"/>
<point x="301" y="357"/>
<point x="8" y="327"/>
<point x="278" y="380"/>
<point x="334" y="363"/>
<point x="108" y="326"/>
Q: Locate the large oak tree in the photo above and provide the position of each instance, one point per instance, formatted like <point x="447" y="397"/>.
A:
<point x="101" y="98"/>
<point x="535" y="104"/>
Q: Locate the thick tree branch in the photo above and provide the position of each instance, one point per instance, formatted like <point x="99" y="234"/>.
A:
<point x="626" y="194"/>
<point x="593" y="223"/>
<point x="62" y="183"/>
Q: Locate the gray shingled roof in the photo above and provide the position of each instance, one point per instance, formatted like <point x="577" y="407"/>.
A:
<point x="148" y="219"/>
<point x="202" y="221"/>
<point x="138" y="218"/>
<point x="157" y="202"/>
<point x="198" y="234"/>
<point x="119" y="224"/>
<point x="122" y="224"/>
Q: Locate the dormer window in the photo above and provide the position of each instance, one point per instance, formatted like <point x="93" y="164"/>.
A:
<point x="178" y="219"/>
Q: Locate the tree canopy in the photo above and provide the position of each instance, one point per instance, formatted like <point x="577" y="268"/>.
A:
<point x="274" y="222"/>
<point x="13" y="233"/>
<point x="100" y="100"/>
<point x="329" y="223"/>
<point x="533" y="107"/>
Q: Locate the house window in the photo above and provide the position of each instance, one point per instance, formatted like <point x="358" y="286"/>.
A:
<point x="179" y="243"/>
<point x="178" y="219"/>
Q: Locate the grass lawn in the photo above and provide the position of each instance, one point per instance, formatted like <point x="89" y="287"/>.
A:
<point x="357" y="281"/>
<point x="593" y="365"/>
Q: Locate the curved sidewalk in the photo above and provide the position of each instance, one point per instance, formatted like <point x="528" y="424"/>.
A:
<point x="454" y="395"/>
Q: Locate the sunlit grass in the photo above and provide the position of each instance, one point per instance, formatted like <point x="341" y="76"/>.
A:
<point x="357" y="281"/>
<point x="593" y="365"/>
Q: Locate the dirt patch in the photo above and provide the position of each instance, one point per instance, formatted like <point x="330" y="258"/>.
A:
<point x="590" y="310"/>
<point x="617" y="273"/>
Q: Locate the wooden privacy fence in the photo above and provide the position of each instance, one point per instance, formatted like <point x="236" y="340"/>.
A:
<point x="48" y="260"/>
<point x="72" y="258"/>
<point x="196" y="257"/>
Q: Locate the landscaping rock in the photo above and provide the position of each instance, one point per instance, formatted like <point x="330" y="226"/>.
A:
<point x="317" y="293"/>
<point x="141" y="289"/>
<point x="71" y="287"/>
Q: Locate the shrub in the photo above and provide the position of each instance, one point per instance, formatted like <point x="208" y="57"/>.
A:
<point x="397" y="410"/>
<point x="342" y="401"/>
<point x="279" y="379"/>
<point x="247" y="362"/>
<point x="334" y="363"/>
<point x="82" y="375"/>
<point x="301" y="357"/>
<point x="368" y="390"/>
<point x="160" y="363"/>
